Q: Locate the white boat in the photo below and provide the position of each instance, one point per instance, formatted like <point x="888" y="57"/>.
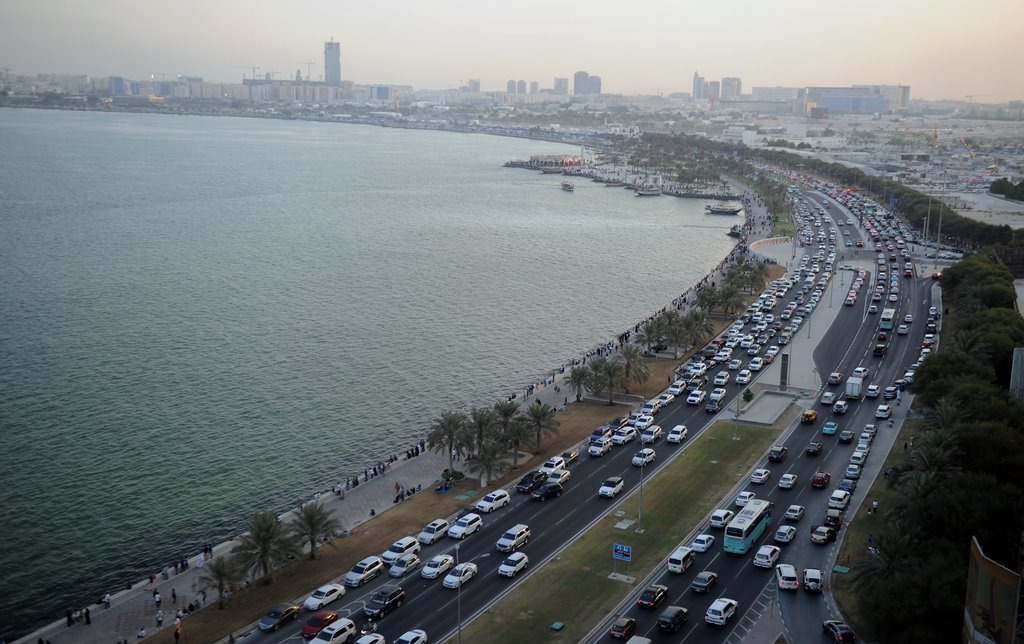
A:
<point x="568" y="187"/>
<point x="726" y="209"/>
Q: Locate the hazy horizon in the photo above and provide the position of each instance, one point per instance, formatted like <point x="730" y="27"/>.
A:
<point x="939" y="48"/>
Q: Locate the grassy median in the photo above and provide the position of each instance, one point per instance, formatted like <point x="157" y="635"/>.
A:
<point x="575" y="588"/>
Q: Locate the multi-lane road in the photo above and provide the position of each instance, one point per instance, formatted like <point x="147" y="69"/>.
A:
<point x="555" y="522"/>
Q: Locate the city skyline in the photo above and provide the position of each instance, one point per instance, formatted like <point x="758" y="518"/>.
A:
<point x="937" y="48"/>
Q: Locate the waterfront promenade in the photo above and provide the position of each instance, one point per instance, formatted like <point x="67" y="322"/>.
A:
<point x="135" y="608"/>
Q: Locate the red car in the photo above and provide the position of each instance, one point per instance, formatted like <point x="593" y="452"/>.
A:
<point x="318" y="622"/>
<point x="821" y="479"/>
<point x="623" y="628"/>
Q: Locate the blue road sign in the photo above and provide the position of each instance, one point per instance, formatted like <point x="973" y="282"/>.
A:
<point x="622" y="552"/>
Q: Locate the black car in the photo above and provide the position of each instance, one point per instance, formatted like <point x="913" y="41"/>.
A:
<point x="838" y="631"/>
<point x="713" y="407"/>
<point x="848" y="484"/>
<point x="845" y="436"/>
<point x="278" y="616"/>
<point x="814" y="448"/>
<point x="672" y="619"/>
<point x="652" y="596"/>
<point x="604" y="431"/>
<point x="384" y="601"/>
<point x="623" y="628"/>
<point x="704" y="581"/>
<point x="778" y="454"/>
<point x="619" y="422"/>
<point x="547" y="491"/>
<point x="531" y="482"/>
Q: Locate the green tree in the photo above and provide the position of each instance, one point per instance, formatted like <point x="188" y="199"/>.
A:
<point x="634" y="366"/>
<point x="449" y="433"/>
<point x="514" y="433"/>
<point x="482" y="420"/>
<point x="487" y="460"/>
<point x="220" y="573"/>
<point x="606" y="375"/>
<point x="541" y="419"/>
<point x="577" y="381"/>
<point x="314" y="523"/>
<point x="266" y="545"/>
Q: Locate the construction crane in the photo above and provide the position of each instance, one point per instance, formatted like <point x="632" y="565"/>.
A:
<point x="252" y="67"/>
<point x="309" y="64"/>
<point x="967" y="147"/>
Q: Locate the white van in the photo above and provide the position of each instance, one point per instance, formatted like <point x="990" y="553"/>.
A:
<point x="681" y="559"/>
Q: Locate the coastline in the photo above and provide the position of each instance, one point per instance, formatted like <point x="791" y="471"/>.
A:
<point x="544" y="375"/>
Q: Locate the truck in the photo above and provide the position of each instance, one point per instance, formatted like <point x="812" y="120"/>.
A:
<point x="853" y="387"/>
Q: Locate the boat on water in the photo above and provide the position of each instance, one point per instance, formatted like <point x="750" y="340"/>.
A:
<point x="551" y="170"/>
<point x="735" y="231"/>
<point x="614" y="183"/>
<point x="568" y="187"/>
<point x="724" y="209"/>
<point x="648" y="192"/>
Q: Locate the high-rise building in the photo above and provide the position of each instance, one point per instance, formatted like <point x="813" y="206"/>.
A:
<point x="698" y="86"/>
<point x="534" y="87"/>
<point x="776" y="94"/>
<point x="561" y="86"/>
<point x="897" y="97"/>
<point x="510" y="87"/>
<point x="594" y="85"/>
<point x="581" y="83"/>
<point x="473" y="85"/>
<point x="712" y="90"/>
<point x="521" y="87"/>
<point x="332" y="63"/>
<point x="731" y="88"/>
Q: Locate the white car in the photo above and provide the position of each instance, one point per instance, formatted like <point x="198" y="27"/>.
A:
<point x="433" y="531"/>
<point x="651" y="434"/>
<point x="623" y="435"/>
<point x="666" y="399"/>
<point x="860" y="372"/>
<point x="760" y="476"/>
<point x="840" y="407"/>
<point x="787" y="481"/>
<point x="767" y="556"/>
<point x="717" y="394"/>
<point x="772" y="351"/>
<point x="722" y="378"/>
<point x="743" y="498"/>
<point x="902" y="329"/>
<point x="493" y="501"/>
<point x="721" y="611"/>
<point x="734" y="364"/>
<point x="466" y="526"/>
<point x="787" y="577"/>
<point x="600" y="446"/>
<point x="677" y="387"/>
<point x="460" y="574"/>
<point x="437" y="566"/>
<point x="677" y="434"/>
<point x="883" y="412"/>
<point x="645" y="421"/>
<point x="643" y="457"/>
<point x="721" y="518"/>
<point x="364" y="571"/>
<point x="560" y="477"/>
<point x="611" y="487"/>
<point x="415" y="636"/>
<point x="513" y="564"/>
<point x="828" y="398"/>
<point x="403" y="546"/>
<point x="323" y="595"/>
<point x="696" y="397"/>
<point x="872" y="391"/>
<point x="553" y="464"/>
<point x="756" y="364"/>
<point x="839" y="500"/>
<point x="784" y="534"/>
<point x="795" y="512"/>
<point x="404" y="565"/>
<point x="702" y="542"/>
<point x="744" y="377"/>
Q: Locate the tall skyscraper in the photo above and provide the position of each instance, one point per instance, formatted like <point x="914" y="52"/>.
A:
<point x="594" y="85"/>
<point x="521" y="87"/>
<point x="698" y="86"/>
<point x="731" y="88"/>
<point x="473" y="85"/>
<point x="332" y="63"/>
<point x="534" y="87"/>
<point x="561" y="86"/>
<point x="712" y="89"/>
<point x="581" y="83"/>
<point x="510" y="87"/>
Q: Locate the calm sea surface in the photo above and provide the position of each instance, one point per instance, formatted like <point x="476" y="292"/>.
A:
<point x="204" y="317"/>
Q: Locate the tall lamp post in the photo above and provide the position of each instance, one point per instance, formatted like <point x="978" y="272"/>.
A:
<point x="458" y="598"/>
<point x="640" y="504"/>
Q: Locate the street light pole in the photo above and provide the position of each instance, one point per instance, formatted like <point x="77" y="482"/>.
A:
<point x="458" y="598"/>
<point x="640" y="504"/>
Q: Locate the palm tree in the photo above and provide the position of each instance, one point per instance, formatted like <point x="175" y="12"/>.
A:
<point x="220" y="573"/>
<point x="448" y="433"/>
<point x="707" y="298"/>
<point x="647" y="335"/>
<point x="541" y="418"/>
<point x="606" y="374"/>
<point x="265" y="546"/>
<point x="730" y="298"/>
<point x="487" y="460"/>
<point x="513" y="434"/>
<point x="312" y="523"/>
<point x="634" y="366"/>
<point x="578" y="380"/>
<point x="946" y="413"/>
<point x="483" y="421"/>
<point x="698" y="325"/>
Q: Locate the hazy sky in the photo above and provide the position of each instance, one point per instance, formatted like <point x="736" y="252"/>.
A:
<point x="941" y="48"/>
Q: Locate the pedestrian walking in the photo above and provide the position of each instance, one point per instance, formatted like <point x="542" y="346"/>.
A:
<point x="157" y="599"/>
<point x="142" y="633"/>
<point x="88" y="616"/>
<point x="159" y="619"/>
<point x="106" y="601"/>
<point x="174" y="596"/>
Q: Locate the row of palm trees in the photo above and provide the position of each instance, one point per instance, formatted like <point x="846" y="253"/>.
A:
<point x="268" y="544"/>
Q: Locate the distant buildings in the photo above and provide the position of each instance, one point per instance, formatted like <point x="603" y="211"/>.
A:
<point x="778" y="94"/>
<point x="510" y="87"/>
<point x="731" y="88"/>
<point x="561" y="86"/>
<point x="534" y="87"/>
<point x="332" y="63"/>
<point x="583" y="83"/>
<point x="473" y="85"/>
<point x="521" y="87"/>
